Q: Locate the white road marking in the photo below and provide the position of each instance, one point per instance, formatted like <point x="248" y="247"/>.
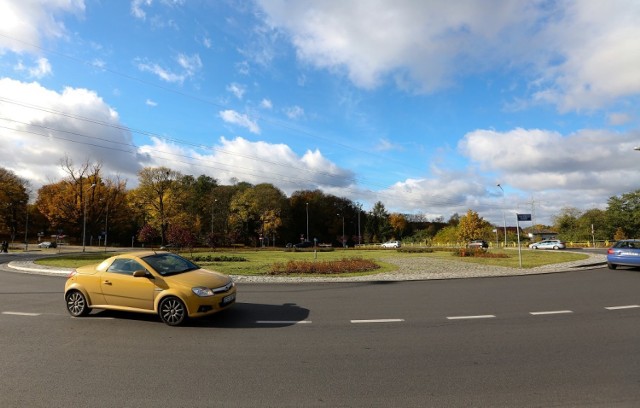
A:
<point x="622" y="307"/>
<point x="21" y="314"/>
<point x="471" y="317"/>
<point x="551" y="312"/>
<point x="283" y="321"/>
<point x="378" y="321"/>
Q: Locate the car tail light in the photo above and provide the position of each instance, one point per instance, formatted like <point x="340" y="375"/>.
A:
<point x="610" y="251"/>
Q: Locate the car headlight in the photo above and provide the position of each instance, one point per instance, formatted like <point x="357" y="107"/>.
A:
<point x="202" y="291"/>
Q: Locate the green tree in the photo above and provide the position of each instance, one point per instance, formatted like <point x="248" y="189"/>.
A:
<point x="623" y="212"/>
<point x="378" y="227"/>
<point x="567" y="225"/>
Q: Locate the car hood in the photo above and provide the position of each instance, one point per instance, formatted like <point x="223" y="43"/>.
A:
<point x="199" y="277"/>
<point x="87" y="269"/>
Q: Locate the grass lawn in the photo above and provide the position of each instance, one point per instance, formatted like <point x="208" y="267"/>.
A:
<point x="258" y="262"/>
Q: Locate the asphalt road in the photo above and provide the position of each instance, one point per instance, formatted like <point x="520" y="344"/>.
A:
<point x="568" y="339"/>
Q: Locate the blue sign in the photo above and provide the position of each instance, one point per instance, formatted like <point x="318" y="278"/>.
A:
<point x="524" y="217"/>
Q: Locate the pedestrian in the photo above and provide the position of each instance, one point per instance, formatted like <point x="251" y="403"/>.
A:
<point x="5" y="247"/>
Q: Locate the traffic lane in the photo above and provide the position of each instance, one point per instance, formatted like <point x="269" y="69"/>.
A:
<point x="580" y="292"/>
<point x="136" y="362"/>
<point x="339" y="303"/>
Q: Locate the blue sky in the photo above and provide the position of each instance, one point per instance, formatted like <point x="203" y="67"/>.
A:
<point x="423" y="105"/>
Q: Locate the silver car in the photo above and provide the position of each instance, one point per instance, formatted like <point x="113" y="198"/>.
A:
<point x="548" y="244"/>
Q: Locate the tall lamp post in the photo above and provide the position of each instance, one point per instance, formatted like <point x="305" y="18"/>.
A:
<point x="504" y="220"/>
<point x="84" y="223"/>
<point x="307" y="204"/>
<point x="342" y="215"/>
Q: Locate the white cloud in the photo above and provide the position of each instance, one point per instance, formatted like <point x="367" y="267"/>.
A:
<point x="266" y="104"/>
<point x="294" y="112"/>
<point x="190" y="65"/>
<point x="137" y="8"/>
<point x="618" y="118"/>
<point x="537" y="160"/>
<point x="579" y="55"/>
<point x="231" y="116"/>
<point x="254" y="162"/>
<point x="151" y="103"/>
<point x="41" y="126"/>
<point x="42" y="69"/>
<point x="237" y="89"/>
<point x="30" y="21"/>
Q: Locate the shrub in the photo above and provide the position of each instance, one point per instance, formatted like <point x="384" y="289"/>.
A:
<point x="346" y="265"/>
<point x="221" y="258"/>
<point x="477" y="253"/>
<point x="415" y="250"/>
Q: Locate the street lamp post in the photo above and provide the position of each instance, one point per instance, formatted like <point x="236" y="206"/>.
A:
<point x="342" y="215"/>
<point x="307" y="204"/>
<point x="106" y="225"/>
<point x="504" y="220"/>
<point x="84" y="224"/>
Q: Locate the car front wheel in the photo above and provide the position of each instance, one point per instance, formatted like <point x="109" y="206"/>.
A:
<point x="172" y="311"/>
<point x="77" y="304"/>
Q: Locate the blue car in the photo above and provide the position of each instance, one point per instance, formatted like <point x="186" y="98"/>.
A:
<point x="624" y="253"/>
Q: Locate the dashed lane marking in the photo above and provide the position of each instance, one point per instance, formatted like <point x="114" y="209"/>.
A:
<point x="471" y="317"/>
<point x="622" y="307"/>
<point x="378" y="321"/>
<point x="283" y="322"/>
<point x="21" y="314"/>
<point x="551" y="312"/>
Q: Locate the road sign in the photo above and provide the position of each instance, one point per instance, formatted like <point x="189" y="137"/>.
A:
<point x="524" y="217"/>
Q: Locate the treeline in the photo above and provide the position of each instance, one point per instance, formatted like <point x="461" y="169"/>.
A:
<point x="168" y="207"/>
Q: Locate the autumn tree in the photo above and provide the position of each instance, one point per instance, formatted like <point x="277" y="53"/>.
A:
<point x="257" y="210"/>
<point x="158" y="196"/>
<point x="398" y="223"/>
<point x="64" y="203"/>
<point x="13" y="202"/>
<point x="471" y="226"/>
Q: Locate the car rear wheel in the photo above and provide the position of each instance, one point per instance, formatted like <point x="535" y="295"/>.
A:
<point x="556" y="247"/>
<point x="172" y="311"/>
<point x="77" y="304"/>
<point x="612" y="266"/>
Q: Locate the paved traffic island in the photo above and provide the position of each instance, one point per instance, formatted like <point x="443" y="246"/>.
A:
<point x="413" y="268"/>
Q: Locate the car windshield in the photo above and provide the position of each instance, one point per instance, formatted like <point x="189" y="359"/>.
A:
<point x="170" y="264"/>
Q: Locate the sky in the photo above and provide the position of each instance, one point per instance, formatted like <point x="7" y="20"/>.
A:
<point x="426" y="106"/>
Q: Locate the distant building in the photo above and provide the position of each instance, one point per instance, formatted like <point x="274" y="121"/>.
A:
<point x="542" y="235"/>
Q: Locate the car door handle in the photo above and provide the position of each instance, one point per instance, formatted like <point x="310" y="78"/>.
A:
<point x="107" y="282"/>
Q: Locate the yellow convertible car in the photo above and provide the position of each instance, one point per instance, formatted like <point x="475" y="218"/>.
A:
<point x="149" y="282"/>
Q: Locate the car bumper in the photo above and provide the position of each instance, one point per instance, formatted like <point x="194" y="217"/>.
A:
<point x="203" y="306"/>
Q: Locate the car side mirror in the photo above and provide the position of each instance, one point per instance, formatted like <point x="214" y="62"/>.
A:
<point x="140" y="274"/>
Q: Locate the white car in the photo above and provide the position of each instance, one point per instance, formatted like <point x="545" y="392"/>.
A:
<point x="548" y="244"/>
<point x="391" y="244"/>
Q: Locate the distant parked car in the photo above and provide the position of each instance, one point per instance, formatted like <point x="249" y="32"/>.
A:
<point x="391" y="244"/>
<point x="548" y="244"/>
<point x="478" y="243"/>
<point x="304" y="244"/>
<point x="47" y="244"/>
<point x="624" y="253"/>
